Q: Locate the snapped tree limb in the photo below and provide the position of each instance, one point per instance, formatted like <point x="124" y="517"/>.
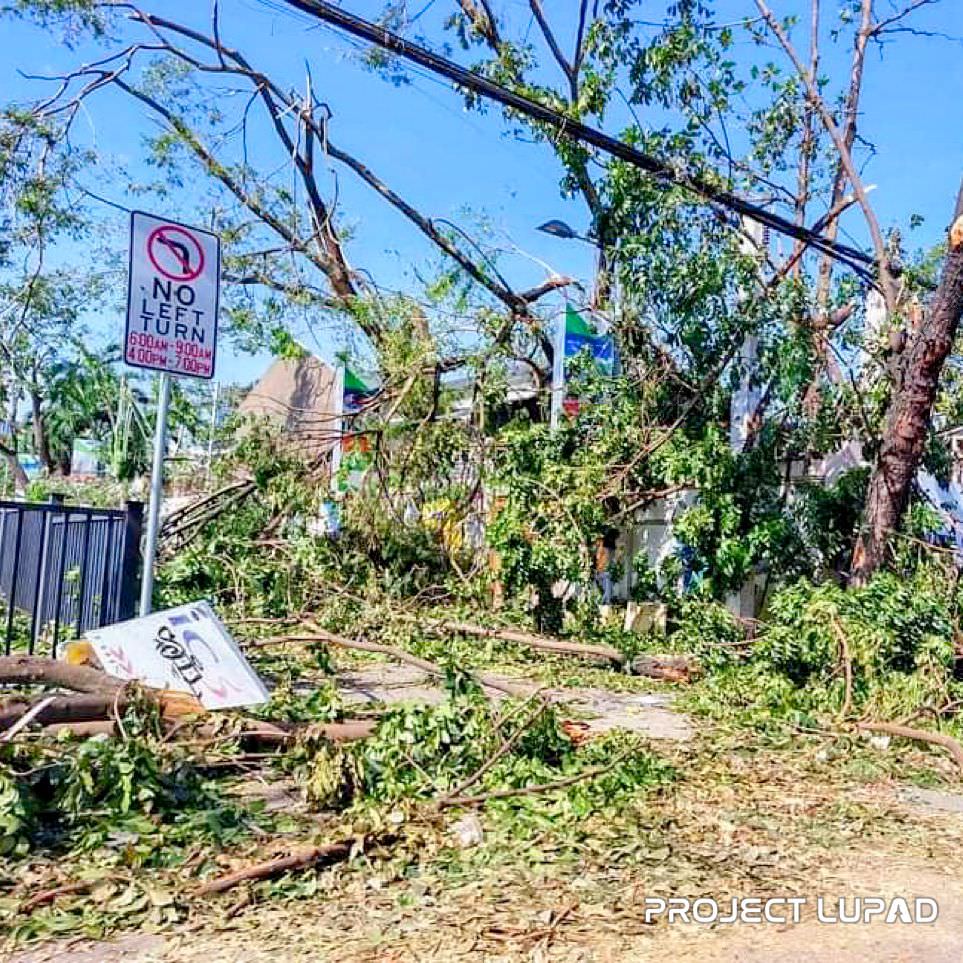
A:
<point x="918" y="735"/>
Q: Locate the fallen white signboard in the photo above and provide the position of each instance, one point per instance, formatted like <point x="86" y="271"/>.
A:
<point x="187" y="649"/>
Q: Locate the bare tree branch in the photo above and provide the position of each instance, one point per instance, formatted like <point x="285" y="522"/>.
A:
<point x="539" y="14"/>
<point x="843" y="148"/>
<point x="882" y="25"/>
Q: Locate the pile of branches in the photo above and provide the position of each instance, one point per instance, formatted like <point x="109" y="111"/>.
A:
<point x="95" y="703"/>
<point x="182" y="525"/>
<point x="82" y="701"/>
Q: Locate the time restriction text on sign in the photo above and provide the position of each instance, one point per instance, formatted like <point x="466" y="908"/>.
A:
<point x="172" y="297"/>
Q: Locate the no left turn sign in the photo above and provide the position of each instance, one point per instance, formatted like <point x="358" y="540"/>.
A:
<point x="175" y="252"/>
<point x="172" y="298"/>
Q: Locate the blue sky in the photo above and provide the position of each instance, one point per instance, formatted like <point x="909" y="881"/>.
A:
<point x="458" y="165"/>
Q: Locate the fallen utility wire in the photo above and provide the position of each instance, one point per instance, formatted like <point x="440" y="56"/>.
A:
<point x="853" y="258"/>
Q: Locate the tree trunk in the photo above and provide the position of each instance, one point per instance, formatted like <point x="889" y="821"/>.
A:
<point x="910" y="409"/>
<point x="40" y="432"/>
<point x="20" y="480"/>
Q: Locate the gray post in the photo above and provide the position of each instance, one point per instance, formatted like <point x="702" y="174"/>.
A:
<point x="210" y="439"/>
<point x="558" y="375"/>
<point x="156" y="494"/>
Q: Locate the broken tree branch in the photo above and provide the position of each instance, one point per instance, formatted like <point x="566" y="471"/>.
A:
<point x="503" y="750"/>
<point x="603" y="653"/>
<point x="75" y="708"/>
<point x="918" y="735"/>
<point x="399" y="655"/>
<point x="671" y="668"/>
<point x="33" y="670"/>
<point x="274" y="867"/>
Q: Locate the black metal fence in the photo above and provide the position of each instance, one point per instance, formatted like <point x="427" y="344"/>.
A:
<point x="65" y="569"/>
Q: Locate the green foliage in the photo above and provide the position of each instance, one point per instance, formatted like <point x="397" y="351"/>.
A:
<point x="122" y="776"/>
<point x="893" y="639"/>
<point x="321" y="704"/>
<point x="73" y="15"/>
<point x="421" y="750"/>
<point x="74" y="795"/>
<point x="828" y="518"/>
<point x="738" y="523"/>
<point x="707" y="630"/>
<point x="425" y="751"/>
<point x="15" y="818"/>
<point x="890" y="625"/>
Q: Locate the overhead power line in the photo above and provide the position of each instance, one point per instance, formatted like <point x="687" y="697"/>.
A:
<point x="852" y="257"/>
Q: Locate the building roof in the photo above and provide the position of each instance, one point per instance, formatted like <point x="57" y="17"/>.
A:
<point x="297" y="394"/>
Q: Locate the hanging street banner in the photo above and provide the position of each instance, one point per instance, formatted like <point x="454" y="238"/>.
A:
<point x="576" y="335"/>
<point x="172" y="297"/>
<point x="580" y="335"/>
<point x="353" y="454"/>
<point x="356" y="393"/>
<point x="186" y="649"/>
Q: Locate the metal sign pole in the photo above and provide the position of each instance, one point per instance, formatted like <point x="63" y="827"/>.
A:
<point x="156" y="494"/>
<point x="210" y="439"/>
<point x="558" y="375"/>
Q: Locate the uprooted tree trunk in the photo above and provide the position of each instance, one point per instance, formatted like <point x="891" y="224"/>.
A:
<point x="910" y="409"/>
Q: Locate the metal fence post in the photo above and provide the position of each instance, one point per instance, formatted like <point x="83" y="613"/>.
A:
<point x="56" y="500"/>
<point x="130" y="560"/>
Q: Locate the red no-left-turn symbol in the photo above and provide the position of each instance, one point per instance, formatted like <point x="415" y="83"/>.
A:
<point x="175" y="252"/>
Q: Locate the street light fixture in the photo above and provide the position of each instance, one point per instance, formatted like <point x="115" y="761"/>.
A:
<point x="560" y="229"/>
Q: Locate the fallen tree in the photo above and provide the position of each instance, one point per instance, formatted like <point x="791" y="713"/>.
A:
<point x="253" y="733"/>
<point x="100" y="699"/>
<point x="63" y="709"/>
<point x="602" y="653"/>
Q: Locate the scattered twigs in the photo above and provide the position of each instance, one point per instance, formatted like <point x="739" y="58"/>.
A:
<point x="919" y="735"/>
<point x="330" y="852"/>
<point x="450" y="801"/>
